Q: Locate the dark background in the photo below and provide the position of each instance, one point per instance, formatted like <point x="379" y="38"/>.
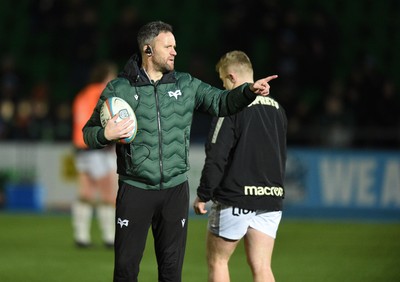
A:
<point x="338" y="61"/>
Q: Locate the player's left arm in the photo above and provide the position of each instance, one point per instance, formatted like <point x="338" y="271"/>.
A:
<point x="219" y="145"/>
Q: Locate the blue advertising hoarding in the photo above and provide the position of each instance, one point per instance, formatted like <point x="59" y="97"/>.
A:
<point x="343" y="183"/>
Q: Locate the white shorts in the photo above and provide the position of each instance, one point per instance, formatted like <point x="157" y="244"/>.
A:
<point x="97" y="163"/>
<point x="232" y="223"/>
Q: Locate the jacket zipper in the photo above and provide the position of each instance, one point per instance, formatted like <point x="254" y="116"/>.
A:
<point x="159" y="135"/>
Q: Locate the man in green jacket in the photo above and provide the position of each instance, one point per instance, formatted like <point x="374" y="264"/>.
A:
<point x="153" y="187"/>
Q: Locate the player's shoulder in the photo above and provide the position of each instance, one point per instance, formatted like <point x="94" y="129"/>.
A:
<point x="266" y="101"/>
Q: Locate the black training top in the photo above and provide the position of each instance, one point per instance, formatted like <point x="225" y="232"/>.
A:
<point x="246" y="156"/>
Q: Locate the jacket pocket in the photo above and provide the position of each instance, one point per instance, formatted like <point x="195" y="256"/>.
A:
<point x="130" y="157"/>
<point x="136" y="157"/>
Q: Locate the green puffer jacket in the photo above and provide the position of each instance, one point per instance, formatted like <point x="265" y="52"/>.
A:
<point x="158" y="157"/>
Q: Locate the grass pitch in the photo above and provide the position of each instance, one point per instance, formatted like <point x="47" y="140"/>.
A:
<point x="39" y="248"/>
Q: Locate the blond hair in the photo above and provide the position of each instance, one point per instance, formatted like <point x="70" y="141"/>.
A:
<point x="237" y="60"/>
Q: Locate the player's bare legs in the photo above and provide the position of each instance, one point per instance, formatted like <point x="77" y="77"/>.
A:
<point x="106" y="208"/>
<point x="87" y="187"/>
<point x="107" y="188"/>
<point x="219" y="250"/>
<point x="259" y="247"/>
<point x="83" y="209"/>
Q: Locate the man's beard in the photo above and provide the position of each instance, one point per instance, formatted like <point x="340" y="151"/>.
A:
<point x="163" y="67"/>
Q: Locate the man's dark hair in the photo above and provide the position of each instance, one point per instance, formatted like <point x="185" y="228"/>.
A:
<point x="151" y="30"/>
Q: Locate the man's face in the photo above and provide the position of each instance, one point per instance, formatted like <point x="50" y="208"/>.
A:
<point x="164" y="52"/>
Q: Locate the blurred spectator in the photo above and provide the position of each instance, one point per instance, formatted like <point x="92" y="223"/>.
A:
<point x="336" y="124"/>
<point x="41" y="127"/>
<point x="11" y="80"/>
<point x="22" y="120"/>
<point x="365" y="83"/>
<point x="7" y="109"/>
<point x="62" y="121"/>
<point x="386" y="117"/>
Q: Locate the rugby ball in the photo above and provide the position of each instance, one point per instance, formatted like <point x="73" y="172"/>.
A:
<point x="117" y="106"/>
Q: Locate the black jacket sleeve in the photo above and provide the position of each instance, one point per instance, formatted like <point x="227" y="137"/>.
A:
<point x="221" y="141"/>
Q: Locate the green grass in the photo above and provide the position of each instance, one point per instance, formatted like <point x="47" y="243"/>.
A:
<point x="40" y="248"/>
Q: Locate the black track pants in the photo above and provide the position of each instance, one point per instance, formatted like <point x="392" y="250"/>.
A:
<point x="166" y="211"/>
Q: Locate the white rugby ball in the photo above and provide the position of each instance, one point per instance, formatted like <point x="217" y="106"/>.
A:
<point x="117" y="106"/>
